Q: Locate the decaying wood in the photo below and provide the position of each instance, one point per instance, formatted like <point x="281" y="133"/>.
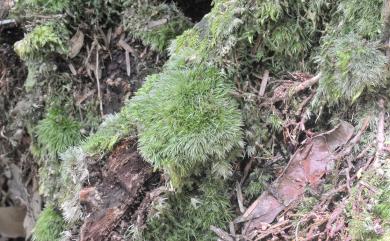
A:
<point x="122" y="186"/>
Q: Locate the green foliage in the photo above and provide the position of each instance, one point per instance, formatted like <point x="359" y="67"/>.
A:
<point x="369" y="211"/>
<point x="258" y="180"/>
<point x="42" y="6"/>
<point x="109" y="133"/>
<point x="186" y="121"/>
<point x="49" y="226"/>
<point x="43" y="40"/>
<point x="214" y="36"/>
<point x="382" y="208"/>
<point x="349" y="65"/>
<point x="188" y="217"/>
<point x="154" y="24"/>
<point x="57" y="131"/>
<point x="360" y="16"/>
<point x="363" y="228"/>
<point x="349" y="56"/>
<point x="277" y="33"/>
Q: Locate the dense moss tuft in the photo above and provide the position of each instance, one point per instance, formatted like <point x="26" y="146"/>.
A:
<point x="49" y="226"/>
<point x="57" y="131"/>
<point x="350" y="65"/>
<point x="186" y="121"/>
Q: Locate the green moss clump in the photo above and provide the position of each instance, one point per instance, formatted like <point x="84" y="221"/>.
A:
<point x="49" y="226"/>
<point x="350" y="65"/>
<point x="154" y="24"/>
<point x="187" y="121"/>
<point x="57" y="131"/>
<point x="189" y="217"/>
<point x="350" y="58"/>
<point x="43" y="40"/>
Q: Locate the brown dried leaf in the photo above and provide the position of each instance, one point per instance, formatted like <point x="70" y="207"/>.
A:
<point x="306" y="167"/>
<point x="76" y="43"/>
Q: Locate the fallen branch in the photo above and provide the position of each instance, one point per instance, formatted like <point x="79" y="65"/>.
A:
<point x="294" y="90"/>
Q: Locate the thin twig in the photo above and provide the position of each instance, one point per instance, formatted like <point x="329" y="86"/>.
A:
<point x="381" y="133"/>
<point x="264" y="81"/>
<point x="98" y="82"/>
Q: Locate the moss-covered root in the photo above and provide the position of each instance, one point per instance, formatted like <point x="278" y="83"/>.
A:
<point x="49" y="226"/>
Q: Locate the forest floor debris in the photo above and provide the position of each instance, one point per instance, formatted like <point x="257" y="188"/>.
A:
<point x="272" y="171"/>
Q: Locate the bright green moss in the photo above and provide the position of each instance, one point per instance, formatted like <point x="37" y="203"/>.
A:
<point x="189" y="45"/>
<point x="57" y="131"/>
<point x="44" y="39"/>
<point x="49" y="226"/>
<point x="186" y="121"/>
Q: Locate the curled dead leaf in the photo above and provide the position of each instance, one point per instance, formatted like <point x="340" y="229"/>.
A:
<point x="76" y="43"/>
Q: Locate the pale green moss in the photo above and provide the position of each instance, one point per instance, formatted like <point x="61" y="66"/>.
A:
<point x="349" y="65"/>
<point x="109" y="133"/>
<point x="43" y="40"/>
